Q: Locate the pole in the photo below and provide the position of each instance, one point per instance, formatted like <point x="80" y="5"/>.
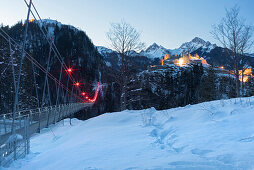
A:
<point x="71" y="97"/>
<point x="46" y="76"/>
<point x="12" y="65"/>
<point x="49" y="93"/>
<point x="35" y="84"/>
<point x="16" y="108"/>
<point x="66" y="93"/>
<point x="60" y="78"/>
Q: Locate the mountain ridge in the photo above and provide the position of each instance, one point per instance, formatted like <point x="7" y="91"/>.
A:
<point x="157" y="51"/>
<point x="215" y="55"/>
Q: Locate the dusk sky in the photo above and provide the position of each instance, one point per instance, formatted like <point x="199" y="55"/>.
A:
<point x="167" y="22"/>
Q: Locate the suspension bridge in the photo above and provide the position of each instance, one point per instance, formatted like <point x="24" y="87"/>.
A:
<point x="17" y="127"/>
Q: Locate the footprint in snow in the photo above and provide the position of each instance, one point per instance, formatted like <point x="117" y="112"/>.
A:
<point x="248" y="139"/>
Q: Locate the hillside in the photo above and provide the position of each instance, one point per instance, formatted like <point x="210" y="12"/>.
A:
<point x="211" y="135"/>
<point x="77" y="51"/>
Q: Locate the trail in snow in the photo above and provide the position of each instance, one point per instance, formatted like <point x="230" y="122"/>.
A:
<point x="211" y="135"/>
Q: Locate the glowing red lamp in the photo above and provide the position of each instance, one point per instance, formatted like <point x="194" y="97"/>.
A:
<point x="69" y="70"/>
<point x="77" y="84"/>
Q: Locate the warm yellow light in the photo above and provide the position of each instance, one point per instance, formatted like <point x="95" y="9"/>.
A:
<point x="247" y="71"/>
<point x="31" y="20"/>
<point x="162" y="62"/>
<point x="244" y="79"/>
<point x="166" y="57"/>
<point x="196" y="57"/>
<point x="180" y="62"/>
<point x="203" y="61"/>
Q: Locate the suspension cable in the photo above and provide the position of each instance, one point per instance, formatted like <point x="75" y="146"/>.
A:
<point x="30" y="58"/>
<point x="57" y="52"/>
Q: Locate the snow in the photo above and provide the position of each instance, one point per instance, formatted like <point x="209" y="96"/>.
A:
<point x="250" y="55"/>
<point x="14" y="137"/>
<point x="195" y="44"/>
<point x="103" y="50"/>
<point x="158" y="51"/>
<point x="154" y="51"/>
<point x="108" y="64"/>
<point x="211" y="135"/>
<point x="51" y="31"/>
<point x="51" y="22"/>
<point x="50" y="25"/>
<point x="176" y="51"/>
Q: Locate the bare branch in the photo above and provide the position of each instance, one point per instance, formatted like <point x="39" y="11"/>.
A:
<point x="124" y="39"/>
<point x="234" y="35"/>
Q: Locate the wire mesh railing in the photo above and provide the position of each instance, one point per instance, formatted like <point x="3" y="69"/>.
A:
<point x="15" y="134"/>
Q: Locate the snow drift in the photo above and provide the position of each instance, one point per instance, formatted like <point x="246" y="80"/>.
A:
<point x="211" y="135"/>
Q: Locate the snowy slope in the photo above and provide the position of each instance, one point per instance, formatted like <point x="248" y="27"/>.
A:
<point x="154" y="51"/>
<point x="251" y="55"/>
<point x="197" y="43"/>
<point x="104" y="51"/>
<point x="193" y="45"/>
<point x="211" y="135"/>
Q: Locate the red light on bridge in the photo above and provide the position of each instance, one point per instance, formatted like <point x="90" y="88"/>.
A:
<point x="77" y="84"/>
<point x="69" y="70"/>
<point x="83" y="93"/>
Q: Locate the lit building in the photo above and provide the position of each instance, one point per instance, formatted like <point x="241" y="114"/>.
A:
<point x="184" y="60"/>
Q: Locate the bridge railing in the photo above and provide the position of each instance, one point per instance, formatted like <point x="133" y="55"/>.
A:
<point x="26" y="123"/>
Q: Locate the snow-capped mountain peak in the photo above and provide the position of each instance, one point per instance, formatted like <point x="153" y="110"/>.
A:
<point x="154" y="51"/>
<point x="103" y="50"/>
<point x="198" y="40"/>
<point x="158" y="51"/>
<point x="152" y="47"/>
<point x="195" y="44"/>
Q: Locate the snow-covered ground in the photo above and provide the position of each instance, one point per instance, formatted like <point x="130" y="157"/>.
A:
<point x="212" y="135"/>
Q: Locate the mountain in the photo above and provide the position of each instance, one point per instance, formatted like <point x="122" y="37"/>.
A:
<point x="197" y="43"/>
<point x="154" y="51"/>
<point x="214" y="54"/>
<point x="104" y="51"/>
<point x="136" y="61"/>
<point x="158" y="51"/>
<point x="218" y="56"/>
<point x="77" y="51"/>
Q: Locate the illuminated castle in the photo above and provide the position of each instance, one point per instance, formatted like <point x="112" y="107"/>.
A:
<point x="187" y="59"/>
<point x="184" y="60"/>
